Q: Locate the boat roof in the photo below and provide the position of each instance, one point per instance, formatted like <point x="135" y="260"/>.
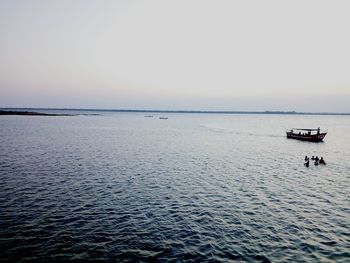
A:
<point x="305" y="129"/>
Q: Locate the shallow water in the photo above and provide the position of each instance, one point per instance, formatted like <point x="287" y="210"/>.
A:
<point x="195" y="187"/>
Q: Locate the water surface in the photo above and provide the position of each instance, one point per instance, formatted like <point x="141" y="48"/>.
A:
<point x="194" y="188"/>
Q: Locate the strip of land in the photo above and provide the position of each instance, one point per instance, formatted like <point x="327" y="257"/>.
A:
<point x="30" y="113"/>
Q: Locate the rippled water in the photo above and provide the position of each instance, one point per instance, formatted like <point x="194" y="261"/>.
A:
<point x="195" y="187"/>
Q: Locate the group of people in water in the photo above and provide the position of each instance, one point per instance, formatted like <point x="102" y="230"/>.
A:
<point x="316" y="160"/>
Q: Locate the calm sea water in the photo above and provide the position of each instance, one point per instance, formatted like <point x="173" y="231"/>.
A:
<point x="193" y="188"/>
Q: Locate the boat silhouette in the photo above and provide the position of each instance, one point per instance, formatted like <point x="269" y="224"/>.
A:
<point x="311" y="135"/>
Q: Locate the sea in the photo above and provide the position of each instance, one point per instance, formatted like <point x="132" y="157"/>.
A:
<point x="122" y="187"/>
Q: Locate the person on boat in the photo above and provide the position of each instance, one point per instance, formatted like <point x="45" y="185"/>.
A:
<point x="322" y="161"/>
<point x="318" y="130"/>
<point x="307" y="163"/>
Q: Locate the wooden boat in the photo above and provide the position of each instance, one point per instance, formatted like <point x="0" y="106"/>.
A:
<point x="163" y="118"/>
<point x="311" y="135"/>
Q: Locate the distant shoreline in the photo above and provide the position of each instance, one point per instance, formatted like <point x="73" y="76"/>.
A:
<point x="32" y="112"/>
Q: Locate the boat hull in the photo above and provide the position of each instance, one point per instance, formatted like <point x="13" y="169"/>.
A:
<point x="307" y="137"/>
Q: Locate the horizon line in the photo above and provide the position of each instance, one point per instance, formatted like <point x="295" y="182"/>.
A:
<point x="183" y="111"/>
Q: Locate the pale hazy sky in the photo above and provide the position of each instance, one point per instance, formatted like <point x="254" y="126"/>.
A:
<point x="204" y="55"/>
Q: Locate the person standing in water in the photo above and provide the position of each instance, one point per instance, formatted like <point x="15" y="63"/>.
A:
<point x="322" y="161"/>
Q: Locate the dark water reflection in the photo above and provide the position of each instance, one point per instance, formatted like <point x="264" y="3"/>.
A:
<point x="192" y="188"/>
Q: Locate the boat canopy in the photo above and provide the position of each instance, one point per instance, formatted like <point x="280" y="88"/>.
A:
<point x="305" y="129"/>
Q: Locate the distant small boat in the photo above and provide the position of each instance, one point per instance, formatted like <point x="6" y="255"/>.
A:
<point x="311" y="135"/>
<point x="148" y="116"/>
<point x="163" y="118"/>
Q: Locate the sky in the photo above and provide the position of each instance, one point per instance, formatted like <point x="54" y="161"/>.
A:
<point x="176" y="55"/>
